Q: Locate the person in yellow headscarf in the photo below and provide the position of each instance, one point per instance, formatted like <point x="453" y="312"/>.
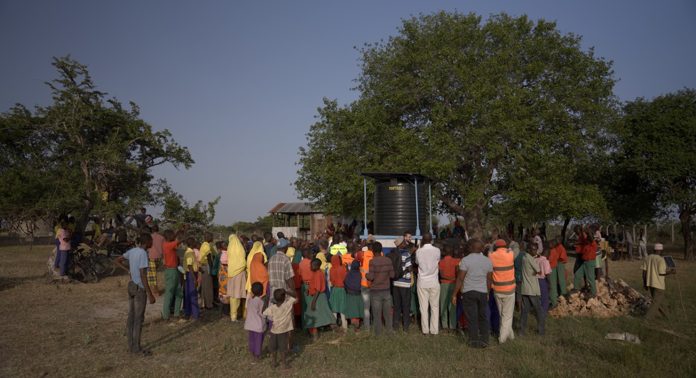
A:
<point x="256" y="268"/>
<point x="236" y="275"/>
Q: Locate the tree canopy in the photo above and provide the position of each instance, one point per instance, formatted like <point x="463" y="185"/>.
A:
<point x="506" y="115"/>
<point x="177" y="211"/>
<point x="659" y="138"/>
<point x="83" y="154"/>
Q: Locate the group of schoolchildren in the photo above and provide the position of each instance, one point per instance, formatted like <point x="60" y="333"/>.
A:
<point x="278" y="285"/>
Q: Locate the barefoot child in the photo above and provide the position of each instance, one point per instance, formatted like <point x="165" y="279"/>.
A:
<point x="138" y="291"/>
<point x="254" y="322"/>
<point x="281" y="314"/>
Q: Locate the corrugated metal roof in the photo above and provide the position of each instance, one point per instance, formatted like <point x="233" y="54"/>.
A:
<point x="276" y="208"/>
<point x="294" y="208"/>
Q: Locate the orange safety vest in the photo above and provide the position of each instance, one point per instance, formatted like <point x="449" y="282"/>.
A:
<point x="347" y="259"/>
<point x="503" y="261"/>
<point x="365" y="267"/>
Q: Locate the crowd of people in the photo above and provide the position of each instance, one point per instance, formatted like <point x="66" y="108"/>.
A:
<point x="278" y="285"/>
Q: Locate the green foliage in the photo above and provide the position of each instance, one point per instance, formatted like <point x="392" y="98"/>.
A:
<point x="177" y="211"/>
<point x="261" y="225"/>
<point x="629" y="197"/>
<point x="84" y="153"/>
<point x="504" y="116"/>
<point x="659" y="138"/>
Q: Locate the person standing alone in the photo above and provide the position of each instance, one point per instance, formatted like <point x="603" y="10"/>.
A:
<point x="139" y="291"/>
<point x="654" y="270"/>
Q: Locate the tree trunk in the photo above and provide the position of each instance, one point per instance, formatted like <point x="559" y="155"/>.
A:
<point x="473" y="217"/>
<point x="685" y="218"/>
<point x="566" y="222"/>
<point x="83" y="218"/>
<point x="473" y="220"/>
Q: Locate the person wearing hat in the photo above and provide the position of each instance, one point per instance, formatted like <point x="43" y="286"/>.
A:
<point x="654" y="271"/>
<point x="280" y="273"/>
<point x="504" y="284"/>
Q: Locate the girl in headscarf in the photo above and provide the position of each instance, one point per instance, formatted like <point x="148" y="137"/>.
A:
<point x="236" y="275"/>
<point x="192" y="280"/>
<point x="256" y="268"/>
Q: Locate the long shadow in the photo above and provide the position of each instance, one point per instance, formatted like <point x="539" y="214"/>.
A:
<point x="10" y="282"/>
<point x="210" y="317"/>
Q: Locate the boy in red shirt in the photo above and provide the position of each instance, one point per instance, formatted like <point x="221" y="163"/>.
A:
<point x="588" y="254"/>
<point x="172" y="288"/>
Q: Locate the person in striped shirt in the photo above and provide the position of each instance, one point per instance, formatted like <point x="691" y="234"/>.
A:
<point x="403" y="281"/>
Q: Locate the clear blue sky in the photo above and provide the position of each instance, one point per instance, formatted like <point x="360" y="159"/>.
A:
<point x="239" y="82"/>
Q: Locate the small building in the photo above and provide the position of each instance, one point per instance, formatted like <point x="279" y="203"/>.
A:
<point x="298" y="219"/>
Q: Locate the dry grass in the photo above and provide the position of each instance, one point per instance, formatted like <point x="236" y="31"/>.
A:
<point x="78" y="330"/>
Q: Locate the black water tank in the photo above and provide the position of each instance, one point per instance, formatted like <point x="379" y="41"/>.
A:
<point x="395" y="206"/>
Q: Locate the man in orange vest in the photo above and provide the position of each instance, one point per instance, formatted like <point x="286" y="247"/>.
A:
<point x="504" y="287"/>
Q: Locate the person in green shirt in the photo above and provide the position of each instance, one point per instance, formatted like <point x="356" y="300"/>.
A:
<point x="531" y="293"/>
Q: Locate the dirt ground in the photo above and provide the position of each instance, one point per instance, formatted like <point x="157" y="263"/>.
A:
<point x="76" y="329"/>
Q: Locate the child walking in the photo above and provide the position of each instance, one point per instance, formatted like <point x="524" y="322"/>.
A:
<point x="254" y="322"/>
<point x="281" y="314"/>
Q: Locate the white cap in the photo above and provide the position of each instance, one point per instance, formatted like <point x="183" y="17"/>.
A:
<point x="658" y="247"/>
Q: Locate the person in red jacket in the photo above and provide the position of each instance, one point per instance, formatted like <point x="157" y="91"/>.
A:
<point x="588" y="254"/>
<point x="558" y="257"/>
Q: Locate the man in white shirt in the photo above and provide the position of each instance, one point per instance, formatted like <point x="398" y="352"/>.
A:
<point x="428" y="285"/>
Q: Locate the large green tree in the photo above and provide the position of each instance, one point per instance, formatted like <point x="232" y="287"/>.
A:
<point x="507" y="113"/>
<point x="659" y="147"/>
<point x="82" y="154"/>
<point x="177" y="211"/>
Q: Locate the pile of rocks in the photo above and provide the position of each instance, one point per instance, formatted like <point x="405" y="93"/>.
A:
<point x="614" y="298"/>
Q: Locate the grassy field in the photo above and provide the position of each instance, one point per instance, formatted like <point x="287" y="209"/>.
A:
<point x="78" y="330"/>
